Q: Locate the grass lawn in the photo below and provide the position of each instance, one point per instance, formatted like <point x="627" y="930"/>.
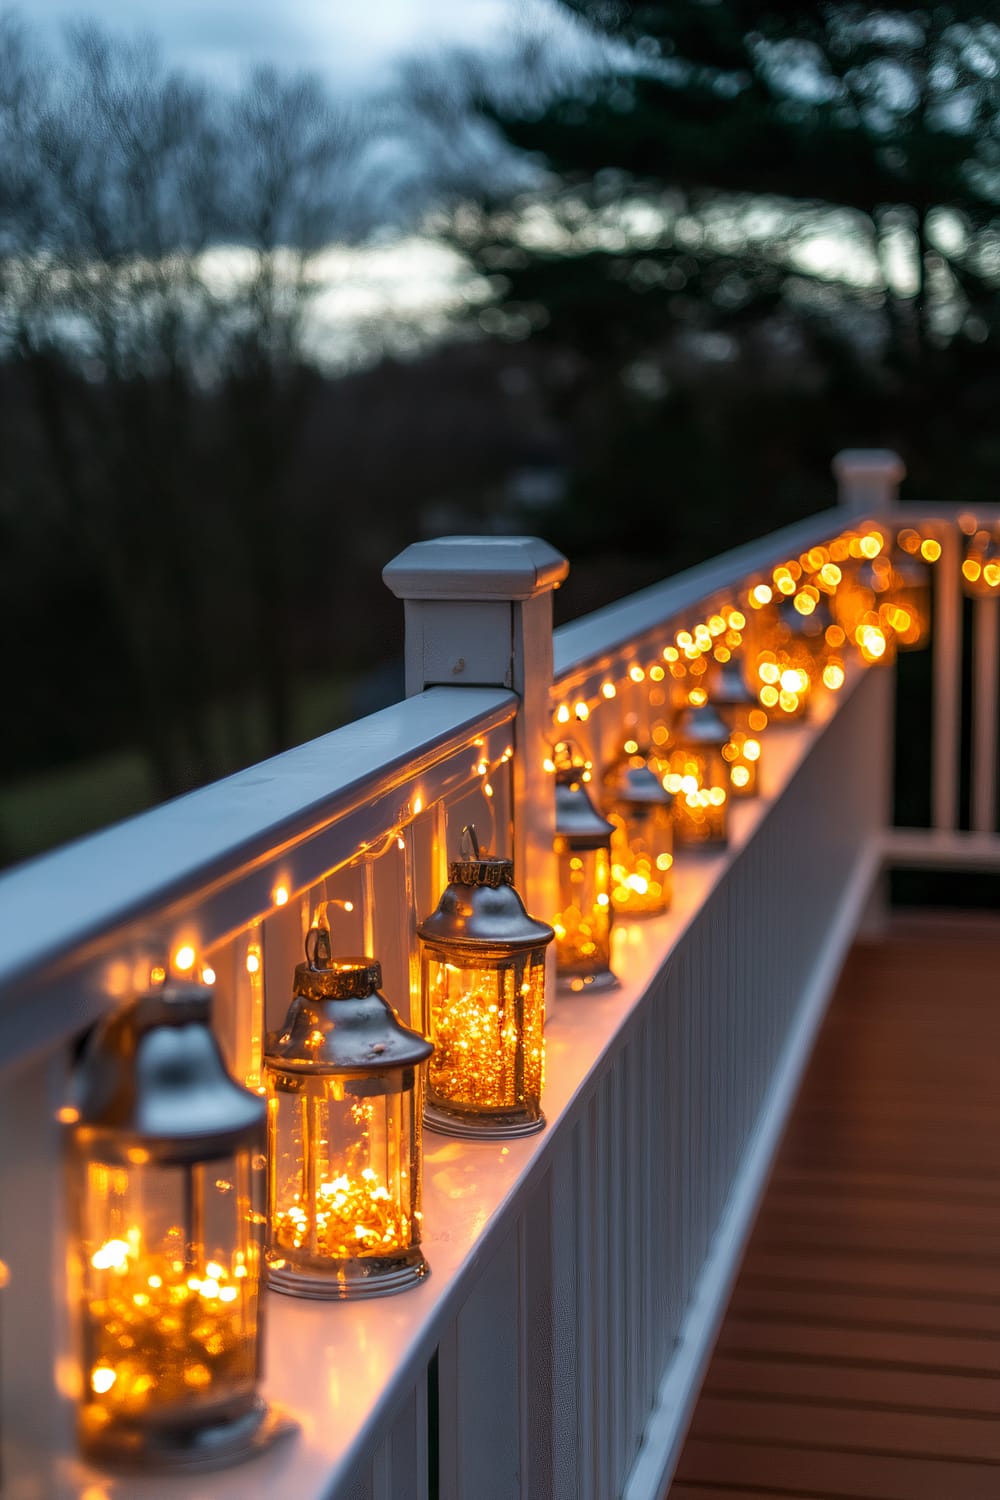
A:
<point x="38" y="812"/>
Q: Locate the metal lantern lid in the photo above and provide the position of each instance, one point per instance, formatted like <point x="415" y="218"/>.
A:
<point x="338" y="1022"/>
<point x="481" y="909"/>
<point x="153" y="1077"/>
<point x="700" y="726"/>
<point x="730" y="689"/>
<point x="636" y="785"/>
<point x="577" y="819"/>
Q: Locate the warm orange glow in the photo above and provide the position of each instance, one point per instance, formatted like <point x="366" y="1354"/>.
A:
<point x="760" y="595"/>
<point x="253" y="962"/>
<point x="281" y="896"/>
<point x="657" y="673"/>
<point x="157" y="974"/>
<point x="833" y="676"/>
<point x="757" y="720"/>
<point x="184" y="959"/>
<point x="582" y="711"/>
<point x="636" y="674"/>
<point x="930" y="549"/>
<point x="207" y="975"/>
<point x="608" y="690"/>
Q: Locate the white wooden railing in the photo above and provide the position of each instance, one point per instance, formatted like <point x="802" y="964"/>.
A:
<point x="577" y="1276"/>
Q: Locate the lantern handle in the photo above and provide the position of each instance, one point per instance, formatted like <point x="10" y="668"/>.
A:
<point x="318" y="949"/>
<point x="469" y="843"/>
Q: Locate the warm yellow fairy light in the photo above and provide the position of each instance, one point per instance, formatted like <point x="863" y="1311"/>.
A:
<point x="871" y="545"/>
<point x="349" y="1218"/>
<point x="207" y="975"/>
<point x="760" y="595"/>
<point x="608" y="690"/>
<point x="253" y="962"/>
<point x="804" y="604"/>
<point x="157" y="974"/>
<point x="833" y="676"/>
<point x="636" y="674"/>
<point x="184" y="958"/>
<point x="631" y="747"/>
<point x="971" y="569"/>
<point x="671" y="653"/>
<point x="562" y="714"/>
<point x="280" y="896"/>
<point x="348" y="905"/>
<point x="481" y="768"/>
<point x="167" y="1328"/>
<point x="930" y="549"/>
<point x="835" y="636"/>
<point x="757" y="720"/>
<point x="768" y="695"/>
<point x="548" y="764"/>
<point x="697" y="697"/>
<point x="657" y="673"/>
<point x="582" y="711"/>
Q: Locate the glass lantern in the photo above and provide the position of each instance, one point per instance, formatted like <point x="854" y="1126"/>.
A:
<point x="483" y="987"/>
<point x="859" y="604"/>
<point x="583" y="851"/>
<point x="981" y="567"/>
<point x="343" y="1098"/>
<point x="906" y="605"/>
<point x="745" y="719"/>
<point x="167" y="1167"/>
<point x="698" y="776"/>
<point x="640" y="811"/>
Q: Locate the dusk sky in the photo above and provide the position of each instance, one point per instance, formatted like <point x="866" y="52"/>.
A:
<point x="353" y="43"/>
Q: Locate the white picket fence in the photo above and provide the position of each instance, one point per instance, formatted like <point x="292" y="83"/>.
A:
<point x="578" y="1276"/>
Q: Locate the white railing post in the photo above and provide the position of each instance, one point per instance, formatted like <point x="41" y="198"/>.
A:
<point x="868" y="479"/>
<point x="479" y="613"/>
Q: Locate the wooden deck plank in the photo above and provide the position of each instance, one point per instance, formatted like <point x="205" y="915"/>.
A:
<point x="860" y="1357"/>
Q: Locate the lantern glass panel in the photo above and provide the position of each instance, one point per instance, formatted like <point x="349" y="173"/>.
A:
<point x="344" y="1179"/>
<point x="485" y="1020"/>
<point x="699" y="779"/>
<point x="583" y="924"/>
<point x="642" y="857"/>
<point x="169" y="1256"/>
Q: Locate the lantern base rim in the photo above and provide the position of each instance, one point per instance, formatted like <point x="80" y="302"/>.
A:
<point x="352" y="1280"/>
<point x="580" y="984"/>
<point x="469" y="1127"/>
<point x="193" y="1450"/>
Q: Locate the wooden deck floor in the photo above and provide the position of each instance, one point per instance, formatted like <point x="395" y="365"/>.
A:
<point x="860" y="1356"/>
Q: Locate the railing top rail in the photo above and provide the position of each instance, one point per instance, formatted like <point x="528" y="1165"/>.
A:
<point x="81" y="893"/>
<point x="580" y="642"/>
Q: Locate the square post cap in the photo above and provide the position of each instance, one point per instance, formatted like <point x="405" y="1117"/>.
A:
<point x="476" y="567"/>
<point x="853" y="465"/>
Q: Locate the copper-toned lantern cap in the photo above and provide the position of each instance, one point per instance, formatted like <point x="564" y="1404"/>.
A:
<point x="637" y="785"/>
<point x="577" y="819"/>
<point x="480" y="907"/>
<point x="339" y="1022"/>
<point x="700" y="726"/>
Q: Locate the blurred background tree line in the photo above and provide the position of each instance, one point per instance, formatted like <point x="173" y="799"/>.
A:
<point x="716" y="244"/>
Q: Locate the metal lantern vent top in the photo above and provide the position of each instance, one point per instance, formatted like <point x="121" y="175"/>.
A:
<point x="483" y="988"/>
<point x="167" y="1165"/>
<point x="342" y="1082"/>
<point x="583" y="848"/>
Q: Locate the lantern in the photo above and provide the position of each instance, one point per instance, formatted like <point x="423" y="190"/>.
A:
<point x="343" y="1093"/>
<point x="583" y="849"/>
<point x="167" y="1166"/>
<point x="697" y="774"/>
<point x="739" y="710"/>
<point x="981" y="568"/>
<point x="859" y="601"/>
<point x="906" y="607"/>
<point x="483" y="988"/>
<point x="640" y="811"/>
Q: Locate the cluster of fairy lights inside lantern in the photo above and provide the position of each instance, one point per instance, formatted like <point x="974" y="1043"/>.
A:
<point x="698" y="712"/>
<point x="191" y="1190"/>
